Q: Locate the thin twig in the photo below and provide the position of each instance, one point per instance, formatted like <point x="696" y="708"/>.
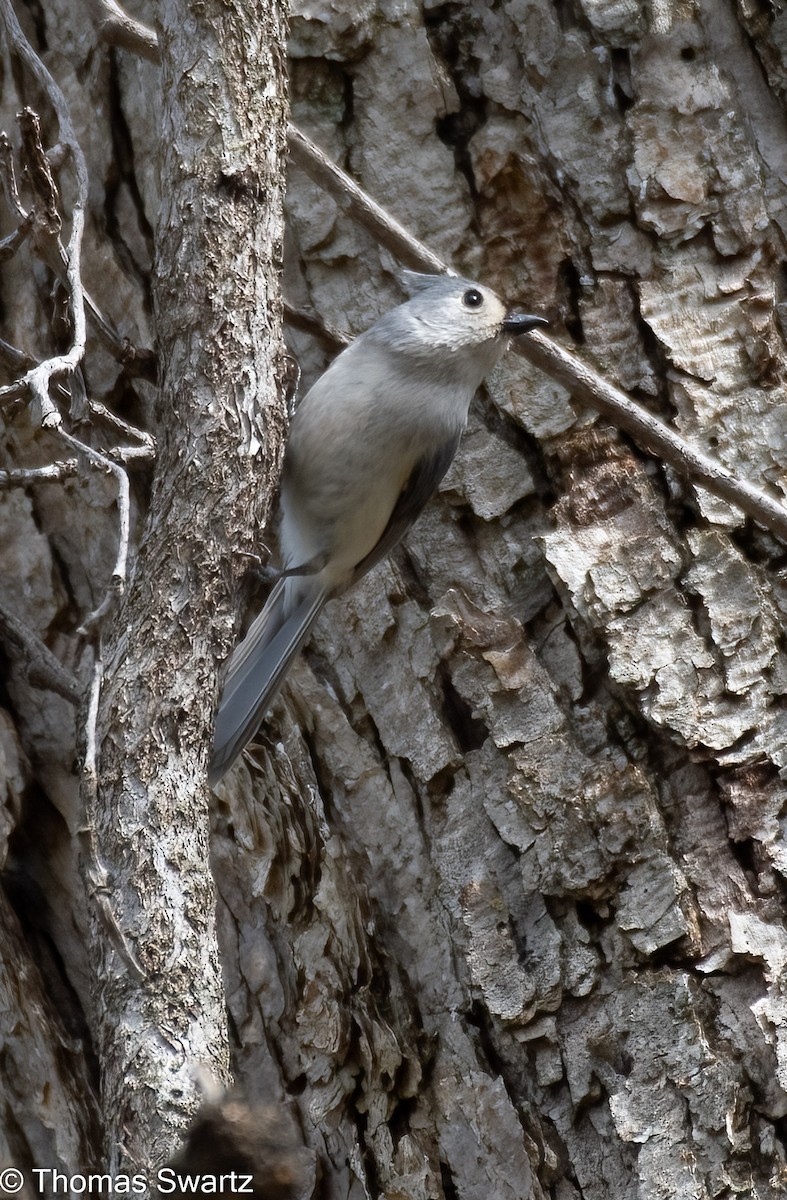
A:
<point x="9" y="245"/>
<point x="12" y="391"/>
<point x="90" y="751"/>
<point x="18" y="359"/>
<point x="41" y="164"/>
<point x="8" y="177"/>
<point x="95" y="873"/>
<point x="123" y="454"/>
<point x="39" y="173"/>
<point x="549" y="356"/>
<point x="353" y="200"/>
<point x="23" y="476"/>
<point x="38" y="379"/>
<point x="43" y="668"/>
<point x="118" y="582"/>
<point x="649" y="432"/>
<point x="37" y="382"/>
<point x="311" y="322"/>
<point x="138" y="360"/>
<point x="117" y="28"/>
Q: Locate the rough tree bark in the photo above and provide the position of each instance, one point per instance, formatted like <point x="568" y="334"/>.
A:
<point x="218" y="326"/>
<point x="500" y="893"/>
<point x="157" y="1009"/>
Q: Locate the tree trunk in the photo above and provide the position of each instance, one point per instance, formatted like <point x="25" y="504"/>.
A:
<point x="499" y="893"/>
<point x="157" y="1008"/>
<point x="217" y="306"/>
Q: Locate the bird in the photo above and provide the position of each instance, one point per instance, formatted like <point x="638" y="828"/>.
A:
<point x="367" y="448"/>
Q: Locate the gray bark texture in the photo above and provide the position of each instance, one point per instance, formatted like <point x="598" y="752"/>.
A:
<point x="495" y="908"/>
<point x="220" y="421"/>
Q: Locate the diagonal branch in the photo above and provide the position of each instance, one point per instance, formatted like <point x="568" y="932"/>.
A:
<point x="145" y="450"/>
<point x="651" y="434"/>
<point x="353" y="200"/>
<point x="117" y="28"/>
<point x="43" y="668"/>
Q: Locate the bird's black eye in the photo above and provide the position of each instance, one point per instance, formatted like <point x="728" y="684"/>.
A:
<point x="472" y="298"/>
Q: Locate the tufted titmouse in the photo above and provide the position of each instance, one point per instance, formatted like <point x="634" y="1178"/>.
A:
<point x="368" y="446"/>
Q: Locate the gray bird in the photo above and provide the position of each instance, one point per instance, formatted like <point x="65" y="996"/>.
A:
<point x="368" y="446"/>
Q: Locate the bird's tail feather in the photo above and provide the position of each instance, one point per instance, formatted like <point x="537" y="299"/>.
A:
<point x="258" y="666"/>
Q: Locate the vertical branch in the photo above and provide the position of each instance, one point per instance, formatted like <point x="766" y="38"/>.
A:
<point x="221" y="426"/>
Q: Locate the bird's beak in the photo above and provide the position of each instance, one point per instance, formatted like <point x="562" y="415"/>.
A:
<point x="522" y="323"/>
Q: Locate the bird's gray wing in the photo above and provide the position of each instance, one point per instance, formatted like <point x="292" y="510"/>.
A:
<point x="257" y="668"/>
<point x="420" y="486"/>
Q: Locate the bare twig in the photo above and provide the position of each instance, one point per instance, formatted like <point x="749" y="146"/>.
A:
<point x="9" y="245"/>
<point x="12" y="391"/>
<point x="650" y="433"/>
<point x="37" y="380"/>
<point x="8" y="177"/>
<point x="384" y="228"/>
<point x="117" y="28"/>
<point x="118" y="583"/>
<point x="90" y="749"/>
<point x="311" y="322"/>
<point x="142" y="361"/>
<point x="123" y="454"/>
<point x="18" y="360"/>
<point x="43" y="668"/>
<point x="23" y="476"/>
<point x="39" y="172"/>
<point x="37" y="383"/>
<point x="138" y="360"/>
<point x="95" y="873"/>
<point x="109" y="465"/>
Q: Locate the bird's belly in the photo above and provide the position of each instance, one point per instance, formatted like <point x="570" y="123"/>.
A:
<point x="355" y="531"/>
<point x="344" y="527"/>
